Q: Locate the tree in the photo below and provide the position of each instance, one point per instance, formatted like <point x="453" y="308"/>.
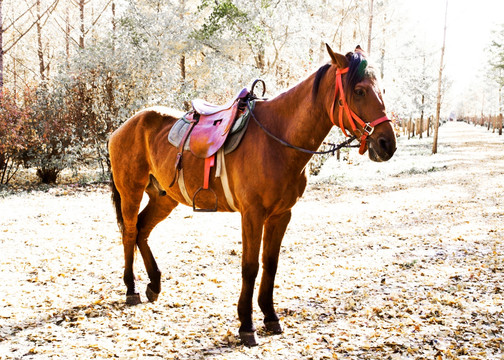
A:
<point x="16" y="134"/>
<point x="25" y="26"/>
<point x="497" y="68"/>
<point x="370" y="30"/>
<point x="1" y="47"/>
<point x="439" y="93"/>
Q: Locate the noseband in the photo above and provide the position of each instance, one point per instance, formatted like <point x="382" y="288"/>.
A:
<point x="367" y="128"/>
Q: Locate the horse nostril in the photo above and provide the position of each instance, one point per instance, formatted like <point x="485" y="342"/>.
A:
<point x="387" y="145"/>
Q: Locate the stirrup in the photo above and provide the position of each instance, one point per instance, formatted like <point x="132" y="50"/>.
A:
<point x="204" y="210"/>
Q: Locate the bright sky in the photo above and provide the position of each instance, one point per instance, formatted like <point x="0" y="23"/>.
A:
<point x="469" y="33"/>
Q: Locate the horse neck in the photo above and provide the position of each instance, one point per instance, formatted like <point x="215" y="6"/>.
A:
<point x="298" y="117"/>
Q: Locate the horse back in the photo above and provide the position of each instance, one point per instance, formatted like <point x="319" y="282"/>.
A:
<point x="130" y="144"/>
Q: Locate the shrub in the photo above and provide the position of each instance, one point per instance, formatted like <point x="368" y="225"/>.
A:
<point x="15" y="132"/>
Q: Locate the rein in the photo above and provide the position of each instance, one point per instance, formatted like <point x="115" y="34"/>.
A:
<point x="332" y="150"/>
<point x="367" y="128"/>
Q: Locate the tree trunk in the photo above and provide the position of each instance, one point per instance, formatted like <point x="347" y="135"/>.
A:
<point x="40" y="50"/>
<point x="1" y="48"/>
<point x="67" y="34"/>
<point x="341" y="27"/>
<point x="500" y="124"/>
<point x="82" y="28"/>
<point x="438" y="106"/>
<point x="421" y="116"/>
<point x="183" y="68"/>
<point x="382" y="65"/>
<point x="114" y="35"/>
<point x="370" y="27"/>
<point x="500" y="110"/>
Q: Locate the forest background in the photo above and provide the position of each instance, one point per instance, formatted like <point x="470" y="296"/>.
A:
<point x="71" y="71"/>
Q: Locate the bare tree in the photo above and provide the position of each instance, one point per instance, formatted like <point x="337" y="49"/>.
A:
<point x="1" y="47"/>
<point x="40" y="50"/>
<point x="370" y="31"/>
<point x="82" y="28"/>
<point x="438" y="106"/>
<point x="5" y="48"/>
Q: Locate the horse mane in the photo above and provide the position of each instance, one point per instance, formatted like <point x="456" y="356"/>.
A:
<point x="357" y="72"/>
<point x="318" y="78"/>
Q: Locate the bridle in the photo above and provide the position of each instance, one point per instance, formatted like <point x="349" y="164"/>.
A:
<point x="367" y="128"/>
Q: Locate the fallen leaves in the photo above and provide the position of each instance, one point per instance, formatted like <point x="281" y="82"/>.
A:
<point x="410" y="269"/>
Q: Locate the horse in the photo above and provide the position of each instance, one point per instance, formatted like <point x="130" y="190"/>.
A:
<point x="266" y="177"/>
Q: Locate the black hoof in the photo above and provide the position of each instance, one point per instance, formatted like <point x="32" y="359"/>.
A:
<point x="249" y="338"/>
<point x="274" y="327"/>
<point x="133" y="299"/>
<point x="151" y="295"/>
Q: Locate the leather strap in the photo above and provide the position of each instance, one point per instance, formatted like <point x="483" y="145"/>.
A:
<point x="178" y="161"/>
<point x="209" y="162"/>
<point x="222" y="173"/>
<point x="182" y="187"/>
<point x="367" y="128"/>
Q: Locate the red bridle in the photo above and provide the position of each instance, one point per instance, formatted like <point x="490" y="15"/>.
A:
<point x="367" y="128"/>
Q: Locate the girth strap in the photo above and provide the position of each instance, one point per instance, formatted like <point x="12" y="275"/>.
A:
<point x="220" y="172"/>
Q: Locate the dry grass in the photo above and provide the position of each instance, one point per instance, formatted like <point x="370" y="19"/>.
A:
<point x="402" y="260"/>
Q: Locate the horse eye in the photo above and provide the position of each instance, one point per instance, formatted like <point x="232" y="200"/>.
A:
<point x="359" y="92"/>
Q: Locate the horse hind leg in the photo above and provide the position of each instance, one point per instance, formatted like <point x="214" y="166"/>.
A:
<point x="127" y="204"/>
<point x="157" y="209"/>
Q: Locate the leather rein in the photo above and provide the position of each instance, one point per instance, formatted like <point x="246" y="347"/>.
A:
<point x="367" y="128"/>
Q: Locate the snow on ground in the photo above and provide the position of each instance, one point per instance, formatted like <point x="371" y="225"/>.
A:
<point x="396" y="260"/>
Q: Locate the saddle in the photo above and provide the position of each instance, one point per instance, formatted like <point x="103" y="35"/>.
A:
<point x="213" y="124"/>
<point x="209" y="127"/>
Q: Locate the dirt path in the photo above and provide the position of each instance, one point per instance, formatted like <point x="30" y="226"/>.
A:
<point x="401" y="260"/>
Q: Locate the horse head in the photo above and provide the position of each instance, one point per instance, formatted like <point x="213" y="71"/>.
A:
<point x="361" y="109"/>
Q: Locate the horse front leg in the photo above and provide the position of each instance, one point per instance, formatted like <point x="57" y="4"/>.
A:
<point x="252" y="224"/>
<point x="274" y="231"/>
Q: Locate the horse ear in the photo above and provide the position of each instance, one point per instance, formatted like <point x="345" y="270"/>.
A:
<point x="337" y="59"/>
<point x="359" y="50"/>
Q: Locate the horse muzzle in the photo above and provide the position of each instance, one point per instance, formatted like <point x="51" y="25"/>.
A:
<point x="382" y="148"/>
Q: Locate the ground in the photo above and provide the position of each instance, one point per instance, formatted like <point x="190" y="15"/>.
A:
<point x="396" y="260"/>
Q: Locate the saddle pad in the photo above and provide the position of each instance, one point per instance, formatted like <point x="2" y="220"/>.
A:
<point x="238" y="129"/>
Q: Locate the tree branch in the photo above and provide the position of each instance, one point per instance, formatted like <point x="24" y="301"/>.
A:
<point x="49" y="9"/>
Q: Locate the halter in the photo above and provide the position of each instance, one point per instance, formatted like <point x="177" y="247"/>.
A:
<point x="367" y="128"/>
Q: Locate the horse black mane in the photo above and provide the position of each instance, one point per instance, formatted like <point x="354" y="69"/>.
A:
<point x="356" y="73"/>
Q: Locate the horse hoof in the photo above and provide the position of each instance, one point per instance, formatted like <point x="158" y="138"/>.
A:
<point x="249" y="338"/>
<point x="133" y="299"/>
<point x="151" y="295"/>
<point x="274" y="327"/>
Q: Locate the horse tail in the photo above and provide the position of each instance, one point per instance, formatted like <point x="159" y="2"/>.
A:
<point x="116" y="200"/>
<point x="116" y="197"/>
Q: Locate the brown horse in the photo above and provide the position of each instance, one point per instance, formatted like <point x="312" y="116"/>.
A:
<point x="266" y="178"/>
